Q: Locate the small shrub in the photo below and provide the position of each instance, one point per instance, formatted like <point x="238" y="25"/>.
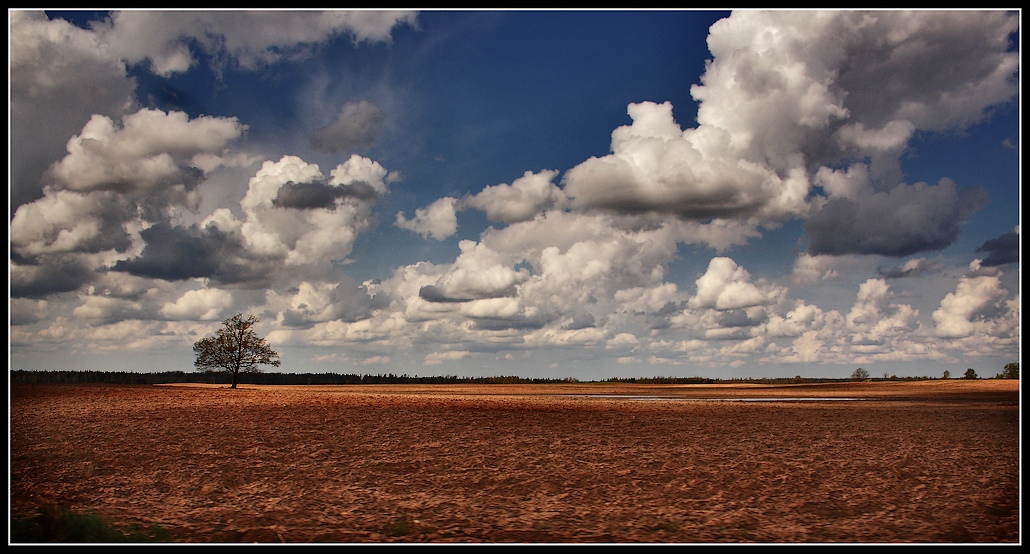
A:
<point x="398" y="528"/>
<point x="55" y="524"/>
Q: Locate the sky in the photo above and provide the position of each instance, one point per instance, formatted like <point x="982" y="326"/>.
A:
<point x="547" y="194"/>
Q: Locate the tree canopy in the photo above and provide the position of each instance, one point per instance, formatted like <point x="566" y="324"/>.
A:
<point x="235" y="348"/>
<point x="1011" y="371"/>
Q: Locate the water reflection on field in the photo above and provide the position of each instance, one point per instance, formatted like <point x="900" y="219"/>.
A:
<point x="744" y="399"/>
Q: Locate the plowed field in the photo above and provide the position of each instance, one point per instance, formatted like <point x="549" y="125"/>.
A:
<point x="880" y="462"/>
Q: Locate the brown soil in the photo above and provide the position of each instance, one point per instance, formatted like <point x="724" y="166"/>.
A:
<point x="885" y="462"/>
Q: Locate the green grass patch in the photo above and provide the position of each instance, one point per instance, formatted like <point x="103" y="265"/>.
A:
<point x="51" y="523"/>
<point x="399" y="527"/>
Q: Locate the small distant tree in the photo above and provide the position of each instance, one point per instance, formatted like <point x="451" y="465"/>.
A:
<point x="947" y="374"/>
<point x="859" y="375"/>
<point x="1011" y="371"/>
<point x="970" y="374"/>
<point x="235" y="348"/>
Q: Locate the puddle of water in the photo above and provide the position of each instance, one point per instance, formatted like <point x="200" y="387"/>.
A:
<point x="746" y="399"/>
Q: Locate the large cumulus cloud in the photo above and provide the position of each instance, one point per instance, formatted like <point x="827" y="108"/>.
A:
<point x="115" y="179"/>
<point x="789" y="96"/>
<point x="60" y="77"/>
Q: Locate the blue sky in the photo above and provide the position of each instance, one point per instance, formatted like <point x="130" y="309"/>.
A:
<point x="585" y="194"/>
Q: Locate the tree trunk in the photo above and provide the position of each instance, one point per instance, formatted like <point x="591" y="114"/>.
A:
<point x="235" y="377"/>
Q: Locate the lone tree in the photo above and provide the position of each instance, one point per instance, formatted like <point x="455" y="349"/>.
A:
<point x="859" y="375"/>
<point x="235" y="348"/>
<point x="970" y="374"/>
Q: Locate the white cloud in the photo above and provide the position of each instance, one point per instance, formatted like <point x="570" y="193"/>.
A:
<point x="61" y="222"/>
<point x="359" y="169"/>
<point x="875" y="318"/>
<point x="727" y="286"/>
<point x="795" y="123"/>
<point x="647" y="300"/>
<point x="309" y="237"/>
<point x="797" y="322"/>
<point x="200" y="304"/>
<point x="956" y="316"/>
<point x="437" y="358"/>
<point x="623" y="340"/>
<point x="479" y="272"/>
<point x="793" y="93"/>
<point x="106" y="309"/>
<point x="522" y="200"/>
<point x="151" y="150"/>
<point x="656" y="167"/>
<point x="811" y="269"/>
<point x="251" y="38"/>
<point x="439" y="220"/>
<point x="25" y="311"/>
<point x="60" y="76"/>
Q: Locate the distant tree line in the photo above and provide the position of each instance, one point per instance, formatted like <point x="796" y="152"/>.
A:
<point x="224" y="378"/>
<point x="221" y="377"/>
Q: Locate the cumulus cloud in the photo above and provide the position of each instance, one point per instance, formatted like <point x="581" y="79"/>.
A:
<point x="812" y="269"/>
<point x="802" y="115"/>
<point x="657" y="167"/>
<point x="315" y="302"/>
<point x="151" y="151"/>
<point x="974" y="296"/>
<point x="478" y="272"/>
<point x="248" y="38"/>
<point x="60" y="76"/>
<point x="727" y="286"/>
<point x="795" y="323"/>
<point x="116" y="178"/>
<point x="65" y="222"/>
<point x="439" y="220"/>
<point x="320" y="233"/>
<point x="790" y="94"/>
<point x="553" y="278"/>
<point x="24" y="311"/>
<point x="287" y="232"/>
<point x="355" y="126"/>
<point x="780" y="79"/>
<point x="530" y="195"/>
<point x="107" y="310"/>
<point x="200" y="304"/>
<point x="522" y="200"/>
<point x="875" y="315"/>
